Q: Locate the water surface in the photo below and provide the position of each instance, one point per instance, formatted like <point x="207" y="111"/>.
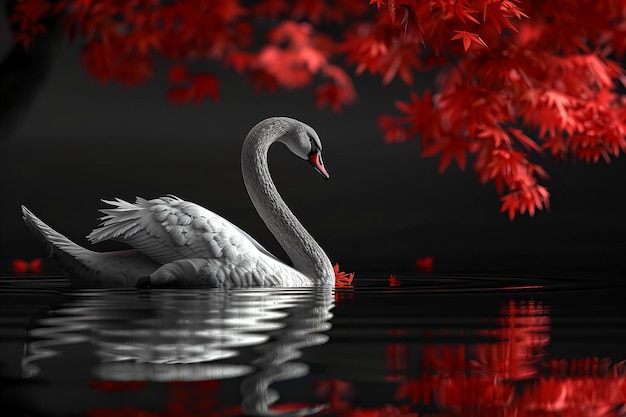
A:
<point x="437" y="346"/>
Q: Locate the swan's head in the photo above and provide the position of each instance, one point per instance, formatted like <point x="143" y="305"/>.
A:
<point x="303" y="141"/>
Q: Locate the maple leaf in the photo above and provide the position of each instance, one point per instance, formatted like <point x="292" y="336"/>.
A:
<point x="557" y="146"/>
<point x="177" y="73"/>
<point x="270" y="8"/>
<point x="392" y="127"/>
<point x="527" y="142"/>
<point x="333" y="95"/>
<point x="202" y="85"/>
<point x="401" y="60"/>
<point x="262" y="80"/>
<point x="240" y="60"/>
<point x="295" y="34"/>
<point x="365" y="51"/>
<point x="21" y="267"/>
<point x="313" y="10"/>
<point x="145" y="40"/>
<point x="28" y="12"/>
<point x="498" y="13"/>
<point x="495" y="133"/>
<point x="462" y="12"/>
<point x="468" y="38"/>
<point x="378" y="3"/>
<point x="510" y="204"/>
<point x="559" y="101"/>
<point x="422" y="116"/>
<point x="27" y="15"/>
<point x="450" y="146"/>
<point x="558" y="74"/>
<point x="425" y="264"/>
<point x="342" y="279"/>
<point x="393" y="281"/>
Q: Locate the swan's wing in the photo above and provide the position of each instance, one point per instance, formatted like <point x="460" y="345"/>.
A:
<point x="168" y="228"/>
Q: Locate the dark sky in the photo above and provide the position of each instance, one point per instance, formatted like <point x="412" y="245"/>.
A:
<point x="383" y="207"/>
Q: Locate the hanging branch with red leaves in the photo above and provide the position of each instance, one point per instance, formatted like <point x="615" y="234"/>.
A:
<point x="517" y="78"/>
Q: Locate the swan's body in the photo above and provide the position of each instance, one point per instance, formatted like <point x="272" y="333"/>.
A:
<point x="178" y="243"/>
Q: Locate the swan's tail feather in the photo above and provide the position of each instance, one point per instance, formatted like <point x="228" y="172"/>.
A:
<point x="84" y="267"/>
<point x="72" y="258"/>
<point x="52" y="240"/>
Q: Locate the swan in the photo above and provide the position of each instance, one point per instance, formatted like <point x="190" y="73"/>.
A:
<point x="179" y="243"/>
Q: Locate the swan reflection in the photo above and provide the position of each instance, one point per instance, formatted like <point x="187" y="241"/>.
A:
<point x="200" y="335"/>
<point x="242" y="352"/>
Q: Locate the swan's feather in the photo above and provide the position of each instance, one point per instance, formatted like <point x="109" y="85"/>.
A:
<point x="87" y="268"/>
<point x="168" y="229"/>
<point x="242" y="271"/>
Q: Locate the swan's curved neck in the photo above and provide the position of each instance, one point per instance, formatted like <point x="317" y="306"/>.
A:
<point x="307" y="256"/>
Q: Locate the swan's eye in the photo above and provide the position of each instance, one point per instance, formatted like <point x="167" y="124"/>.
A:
<point x="314" y="146"/>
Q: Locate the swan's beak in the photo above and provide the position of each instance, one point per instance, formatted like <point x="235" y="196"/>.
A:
<point x="315" y="158"/>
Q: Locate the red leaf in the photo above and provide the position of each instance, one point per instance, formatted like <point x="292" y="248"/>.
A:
<point x="294" y="33"/>
<point x="392" y="126"/>
<point x="342" y="279"/>
<point x="240" y="60"/>
<point x="558" y="101"/>
<point x="179" y="95"/>
<point x="378" y="3"/>
<point x="263" y="80"/>
<point x="464" y="13"/>
<point x="468" y="38"/>
<point x="401" y="60"/>
<point x="498" y="13"/>
<point x="270" y="8"/>
<point x="177" y="73"/>
<point x="205" y="85"/>
<point x="21" y="266"/>
<point x="393" y="281"/>
<point x="422" y="116"/>
<point x="35" y="266"/>
<point x="495" y="133"/>
<point x="510" y="204"/>
<point x="202" y="85"/>
<point x="333" y="95"/>
<point x="425" y="264"/>
<point x="392" y="7"/>
<point x="451" y="146"/>
<point x="527" y="142"/>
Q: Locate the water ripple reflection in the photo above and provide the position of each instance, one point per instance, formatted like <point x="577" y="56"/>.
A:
<point x="156" y="335"/>
<point x="437" y="346"/>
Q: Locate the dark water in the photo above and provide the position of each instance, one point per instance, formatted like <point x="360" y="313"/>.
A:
<point x="427" y="346"/>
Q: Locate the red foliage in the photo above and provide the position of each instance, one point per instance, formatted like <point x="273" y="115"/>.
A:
<point x="20" y="266"/>
<point x="343" y="279"/>
<point x="516" y="77"/>
<point x="425" y="264"/>
<point x="393" y="281"/>
<point x="502" y="378"/>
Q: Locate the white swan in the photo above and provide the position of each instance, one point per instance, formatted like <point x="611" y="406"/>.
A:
<point x="178" y="243"/>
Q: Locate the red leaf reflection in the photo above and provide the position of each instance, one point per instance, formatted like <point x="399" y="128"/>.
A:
<point x="397" y="356"/>
<point x="117" y="386"/>
<point x="393" y="281"/>
<point x="523" y="338"/>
